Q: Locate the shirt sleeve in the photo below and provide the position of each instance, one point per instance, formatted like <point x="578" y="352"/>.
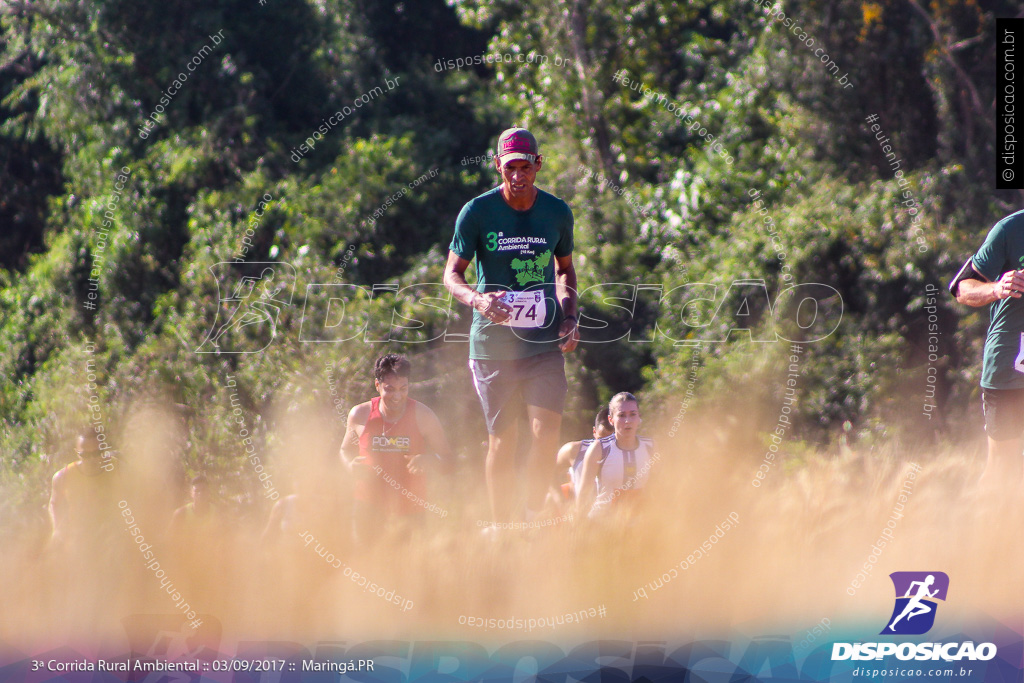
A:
<point x="991" y="259"/>
<point x="467" y="234"/>
<point x="565" y="243"/>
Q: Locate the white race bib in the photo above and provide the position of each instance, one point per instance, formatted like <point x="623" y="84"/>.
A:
<point x="529" y="309"/>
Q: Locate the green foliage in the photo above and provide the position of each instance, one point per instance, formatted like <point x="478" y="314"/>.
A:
<point x="657" y="203"/>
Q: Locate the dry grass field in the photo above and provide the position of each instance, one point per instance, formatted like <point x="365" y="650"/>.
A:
<point x="670" y="569"/>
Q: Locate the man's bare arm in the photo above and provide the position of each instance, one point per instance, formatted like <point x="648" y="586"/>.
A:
<point x="58" y="504"/>
<point x="488" y="304"/>
<point x="455" y="279"/>
<point x="567" y="453"/>
<point x="565" y="285"/>
<point x="350" y="445"/>
<point x="274" y="523"/>
<point x="565" y="292"/>
<point x="977" y="293"/>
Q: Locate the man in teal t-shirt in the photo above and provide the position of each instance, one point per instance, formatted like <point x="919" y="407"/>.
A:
<point x="524" y="314"/>
<point x="995" y="277"/>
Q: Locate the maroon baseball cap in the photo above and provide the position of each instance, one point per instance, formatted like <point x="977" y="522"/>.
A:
<point x="517" y="143"/>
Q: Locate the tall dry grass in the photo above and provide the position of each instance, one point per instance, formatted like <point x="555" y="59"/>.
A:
<point x="801" y="539"/>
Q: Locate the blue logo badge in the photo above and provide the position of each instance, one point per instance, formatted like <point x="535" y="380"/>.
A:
<point x="916" y="596"/>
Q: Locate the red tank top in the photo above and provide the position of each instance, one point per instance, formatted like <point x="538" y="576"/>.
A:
<point x="385" y="445"/>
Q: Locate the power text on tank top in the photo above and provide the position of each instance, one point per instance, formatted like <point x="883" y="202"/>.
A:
<point x="385" y="445"/>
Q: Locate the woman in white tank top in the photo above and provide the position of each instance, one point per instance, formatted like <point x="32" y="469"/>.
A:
<point x="618" y="465"/>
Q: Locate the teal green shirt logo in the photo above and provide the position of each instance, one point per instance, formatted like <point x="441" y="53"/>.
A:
<point x="531" y="270"/>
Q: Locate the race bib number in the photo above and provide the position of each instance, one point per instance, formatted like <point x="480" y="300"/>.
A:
<point x="528" y="309"/>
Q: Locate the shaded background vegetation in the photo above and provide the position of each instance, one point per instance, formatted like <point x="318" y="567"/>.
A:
<point x="77" y="79"/>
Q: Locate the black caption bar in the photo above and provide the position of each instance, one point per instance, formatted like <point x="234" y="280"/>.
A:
<point x="1009" y="126"/>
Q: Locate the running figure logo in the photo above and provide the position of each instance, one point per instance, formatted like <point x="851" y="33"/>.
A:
<point x="247" y="317"/>
<point x="916" y="595"/>
<point x="531" y="270"/>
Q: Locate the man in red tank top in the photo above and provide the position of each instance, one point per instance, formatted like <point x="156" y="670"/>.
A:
<point x="390" y="443"/>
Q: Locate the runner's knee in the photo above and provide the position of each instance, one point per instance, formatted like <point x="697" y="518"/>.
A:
<point x="502" y="444"/>
<point x="546" y="426"/>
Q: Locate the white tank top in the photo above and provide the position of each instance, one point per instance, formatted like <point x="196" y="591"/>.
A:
<point x="621" y="470"/>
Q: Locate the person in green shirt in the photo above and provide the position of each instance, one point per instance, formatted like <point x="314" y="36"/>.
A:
<point x="994" y="277"/>
<point x="524" y="315"/>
